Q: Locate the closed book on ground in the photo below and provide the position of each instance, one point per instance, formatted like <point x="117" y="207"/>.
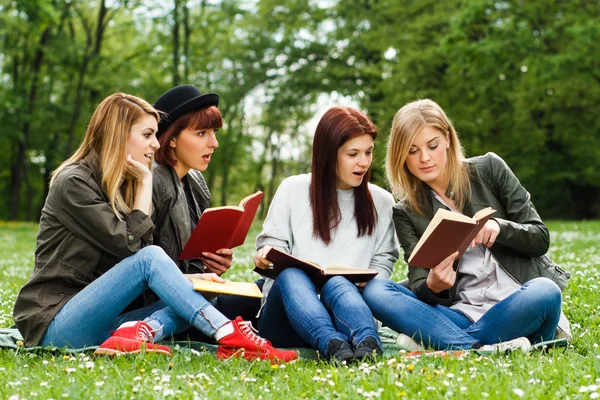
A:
<point x="222" y="227"/>
<point x="446" y="233"/>
<point x="247" y="289"/>
<point x="317" y="273"/>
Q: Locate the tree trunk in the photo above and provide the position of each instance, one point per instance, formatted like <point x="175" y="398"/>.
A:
<point x="229" y="159"/>
<point x="30" y="196"/>
<point x="176" y="43"/>
<point x="258" y="184"/>
<point x="19" y="166"/>
<point x="92" y="50"/>
<point x="274" y="166"/>
<point x="187" y="31"/>
<point x="76" y="106"/>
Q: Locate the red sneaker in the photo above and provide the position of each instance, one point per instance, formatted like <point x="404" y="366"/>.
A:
<point x="245" y="342"/>
<point x="131" y="337"/>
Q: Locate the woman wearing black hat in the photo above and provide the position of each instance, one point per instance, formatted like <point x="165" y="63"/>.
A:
<point x="187" y="135"/>
<point x="94" y="257"/>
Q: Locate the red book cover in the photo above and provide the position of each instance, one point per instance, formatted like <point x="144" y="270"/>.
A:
<point x="222" y="227"/>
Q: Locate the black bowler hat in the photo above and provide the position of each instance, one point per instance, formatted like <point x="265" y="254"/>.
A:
<point x="180" y="100"/>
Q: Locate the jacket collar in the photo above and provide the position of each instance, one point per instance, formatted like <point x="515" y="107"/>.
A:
<point x="469" y="210"/>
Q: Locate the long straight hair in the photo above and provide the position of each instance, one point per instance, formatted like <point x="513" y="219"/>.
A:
<point x="106" y="135"/>
<point x="408" y="122"/>
<point x="336" y="127"/>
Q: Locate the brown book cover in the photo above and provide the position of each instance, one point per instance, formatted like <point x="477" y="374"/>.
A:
<point x="318" y="274"/>
<point x="222" y="227"/>
<point x="446" y="233"/>
<point x="247" y="289"/>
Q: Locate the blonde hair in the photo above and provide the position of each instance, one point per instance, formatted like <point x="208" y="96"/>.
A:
<point x="408" y="122"/>
<point x="106" y="135"/>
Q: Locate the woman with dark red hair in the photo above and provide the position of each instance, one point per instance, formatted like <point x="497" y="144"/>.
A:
<point x="187" y="134"/>
<point x="331" y="216"/>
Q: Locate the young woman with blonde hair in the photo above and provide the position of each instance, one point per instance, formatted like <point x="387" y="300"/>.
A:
<point x="94" y="254"/>
<point x="504" y="288"/>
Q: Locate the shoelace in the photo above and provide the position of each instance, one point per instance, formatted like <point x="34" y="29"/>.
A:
<point x="145" y="334"/>
<point x="251" y="333"/>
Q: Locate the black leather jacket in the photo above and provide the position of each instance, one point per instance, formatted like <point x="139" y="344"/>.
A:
<point x="171" y="216"/>
<point x="521" y="245"/>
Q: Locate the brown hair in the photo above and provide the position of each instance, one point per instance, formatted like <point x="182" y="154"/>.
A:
<point x="205" y="118"/>
<point x="107" y="134"/>
<point x="336" y="127"/>
<point x="408" y="122"/>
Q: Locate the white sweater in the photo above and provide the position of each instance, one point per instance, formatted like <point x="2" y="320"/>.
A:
<point x="289" y="228"/>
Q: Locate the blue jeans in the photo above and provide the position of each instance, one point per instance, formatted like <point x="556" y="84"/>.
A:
<point x="294" y="316"/>
<point x="88" y="318"/>
<point x="533" y="311"/>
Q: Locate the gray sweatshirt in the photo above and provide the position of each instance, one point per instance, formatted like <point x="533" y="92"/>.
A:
<point x="289" y="228"/>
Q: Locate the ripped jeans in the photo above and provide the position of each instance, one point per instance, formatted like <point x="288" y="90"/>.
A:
<point x="88" y="318"/>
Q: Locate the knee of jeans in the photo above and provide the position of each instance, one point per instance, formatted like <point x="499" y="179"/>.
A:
<point x="152" y="252"/>
<point x="336" y="287"/>
<point x="337" y="282"/>
<point x="291" y="275"/>
<point x="156" y="256"/>
<point x="374" y="289"/>
<point x="546" y="290"/>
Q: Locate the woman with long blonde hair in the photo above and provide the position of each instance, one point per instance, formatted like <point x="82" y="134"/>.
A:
<point x="94" y="255"/>
<point x="504" y="293"/>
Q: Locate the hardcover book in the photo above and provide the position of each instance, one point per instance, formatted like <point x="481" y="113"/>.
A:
<point x="317" y="273"/>
<point x="446" y="233"/>
<point x="222" y="227"/>
<point x="247" y="289"/>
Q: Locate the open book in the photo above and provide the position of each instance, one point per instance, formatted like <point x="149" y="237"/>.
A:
<point x="247" y="289"/>
<point x="222" y="227"/>
<point x="318" y="274"/>
<point x="446" y="233"/>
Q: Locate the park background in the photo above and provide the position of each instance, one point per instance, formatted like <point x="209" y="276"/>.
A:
<point x="520" y="78"/>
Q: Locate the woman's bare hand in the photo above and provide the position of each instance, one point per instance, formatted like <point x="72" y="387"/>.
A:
<point x="488" y="234"/>
<point x="260" y="259"/>
<point x="442" y="276"/>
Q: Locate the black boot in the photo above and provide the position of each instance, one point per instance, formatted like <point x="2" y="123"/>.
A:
<point x="368" y="348"/>
<point x="339" y="350"/>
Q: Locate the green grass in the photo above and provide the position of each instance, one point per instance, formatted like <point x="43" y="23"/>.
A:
<point x="572" y="373"/>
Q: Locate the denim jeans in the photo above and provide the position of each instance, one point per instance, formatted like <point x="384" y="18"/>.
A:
<point x="88" y="318"/>
<point x="532" y="311"/>
<point x="231" y="306"/>
<point x="294" y="316"/>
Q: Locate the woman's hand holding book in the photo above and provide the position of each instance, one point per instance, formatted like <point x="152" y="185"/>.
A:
<point x="443" y="275"/>
<point x="488" y="234"/>
<point x="260" y="259"/>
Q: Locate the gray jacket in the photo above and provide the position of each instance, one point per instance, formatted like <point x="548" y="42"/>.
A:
<point x="171" y="215"/>
<point x="79" y="239"/>
<point x="521" y="245"/>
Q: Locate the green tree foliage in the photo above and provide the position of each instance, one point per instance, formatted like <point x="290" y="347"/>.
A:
<point x="518" y="78"/>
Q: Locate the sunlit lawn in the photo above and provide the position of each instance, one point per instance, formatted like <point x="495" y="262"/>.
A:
<point x="573" y="373"/>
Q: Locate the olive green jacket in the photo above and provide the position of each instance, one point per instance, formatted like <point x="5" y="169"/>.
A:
<point x="171" y="215"/>
<point x="79" y="239"/>
<point x="521" y="245"/>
